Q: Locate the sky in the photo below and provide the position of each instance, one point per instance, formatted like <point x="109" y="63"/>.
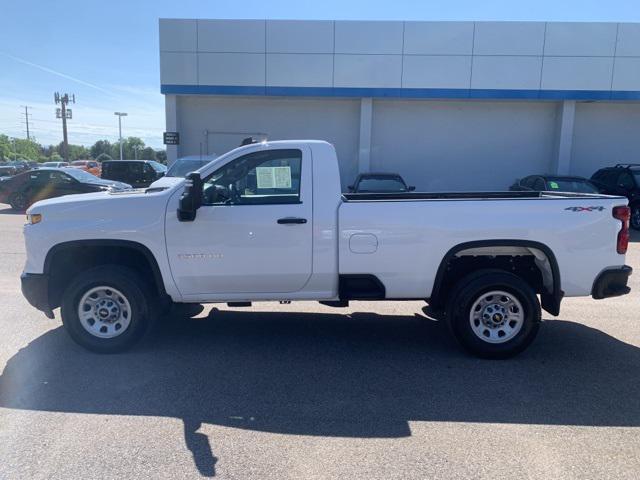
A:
<point x="106" y="52"/>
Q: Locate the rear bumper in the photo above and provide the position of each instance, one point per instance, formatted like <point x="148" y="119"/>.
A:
<point x="35" y="288"/>
<point x="611" y="282"/>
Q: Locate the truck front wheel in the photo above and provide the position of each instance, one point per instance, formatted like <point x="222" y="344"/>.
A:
<point x="105" y="309"/>
<point x="494" y="314"/>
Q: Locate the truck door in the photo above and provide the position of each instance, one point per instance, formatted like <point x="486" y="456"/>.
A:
<point x="253" y="232"/>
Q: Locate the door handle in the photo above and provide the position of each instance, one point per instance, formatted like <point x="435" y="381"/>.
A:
<point x="291" y="220"/>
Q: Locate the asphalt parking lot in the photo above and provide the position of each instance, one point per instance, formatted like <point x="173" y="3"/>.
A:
<point x="305" y="391"/>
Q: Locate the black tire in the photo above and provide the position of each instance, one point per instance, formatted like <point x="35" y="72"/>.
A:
<point x="470" y="290"/>
<point x="122" y="279"/>
<point x="18" y="201"/>
<point x="635" y="217"/>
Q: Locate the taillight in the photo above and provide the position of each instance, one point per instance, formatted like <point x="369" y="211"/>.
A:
<point x="624" y="215"/>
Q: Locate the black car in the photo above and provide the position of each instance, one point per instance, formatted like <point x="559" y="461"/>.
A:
<point x="29" y="187"/>
<point x="558" y="183"/>
<point x="623" y="180"/>
<point x="137" y="173"/>
<point x="185" y="165"/>
<point x="379" y="183"/>
<point x="7" y="171"/>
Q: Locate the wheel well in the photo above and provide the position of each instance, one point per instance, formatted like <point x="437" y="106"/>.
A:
<point x="531" y="261"/>
<point x="67" y="260"/>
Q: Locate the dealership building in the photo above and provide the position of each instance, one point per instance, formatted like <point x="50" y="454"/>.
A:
<point x="449" y="105"/>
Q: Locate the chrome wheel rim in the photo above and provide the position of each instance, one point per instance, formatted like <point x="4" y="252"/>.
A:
<point x="496" y="317"/>
<point x="104" y="312"/>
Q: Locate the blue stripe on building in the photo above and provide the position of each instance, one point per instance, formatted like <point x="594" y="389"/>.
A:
<point x="426" y="93"/>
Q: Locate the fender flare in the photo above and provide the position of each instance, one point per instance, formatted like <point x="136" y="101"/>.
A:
<point x="550" y="301"/>
<point x="127" y="244"/>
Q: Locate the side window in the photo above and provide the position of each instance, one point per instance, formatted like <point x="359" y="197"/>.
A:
<point x="610" y="178"/>
<point x="527" y="182"/>
<point x="260" y="178"/>
<point x="626" y="180"/>
<point x="59" y="177"/>
<point x="539" y="184"/>
<point x="38" y="177"/>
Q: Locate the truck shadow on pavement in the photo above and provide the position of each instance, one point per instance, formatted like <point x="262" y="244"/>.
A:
<point x="358" y="375"/>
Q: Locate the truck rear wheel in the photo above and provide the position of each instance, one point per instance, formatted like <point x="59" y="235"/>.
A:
<point x="105" y="309"/>
<point x="494" y="314"/>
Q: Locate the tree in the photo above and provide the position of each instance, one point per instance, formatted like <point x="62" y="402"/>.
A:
<point x="27" y="149"/>
<point x="6" y="149"/>
<point x="147" y="153"/>
<point x="101" y="147"/>
<point x="102" y="157"/>
<point x="161" y="156"/>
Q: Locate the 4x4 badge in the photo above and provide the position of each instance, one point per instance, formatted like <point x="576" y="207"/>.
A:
<point x="585" y="209"/>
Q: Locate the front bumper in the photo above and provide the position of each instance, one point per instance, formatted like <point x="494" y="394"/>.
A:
<point x="612" y="282"/>
<point x="35" y="288"/>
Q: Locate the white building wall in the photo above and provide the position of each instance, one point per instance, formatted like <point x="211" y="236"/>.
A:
<point x="605" y="134"/>
<point x="218" y="124"/>
<point x="450" y="105"/>
<point x="453" y="145"/>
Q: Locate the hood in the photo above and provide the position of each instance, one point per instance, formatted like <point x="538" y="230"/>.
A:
<point x="88" y="199"/>
<point x="166" y="182"/>
<point x="110" y="183"/>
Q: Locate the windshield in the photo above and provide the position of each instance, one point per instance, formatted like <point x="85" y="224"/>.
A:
<point x="79" y="163"/>
<point x="572" y="185"/>
<point x="181" y="167"/>
<point x="82" y="176"/>
<point x="636" y="173"/>
<point x="381" y="184"/>
<point x="158" y="167"/>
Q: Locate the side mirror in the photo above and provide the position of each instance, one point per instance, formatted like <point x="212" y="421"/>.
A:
<point x="191" y="199"/>
<point x="411" y="189"/>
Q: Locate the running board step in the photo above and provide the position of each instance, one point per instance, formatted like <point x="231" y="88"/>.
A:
<point x="335" y="303"/>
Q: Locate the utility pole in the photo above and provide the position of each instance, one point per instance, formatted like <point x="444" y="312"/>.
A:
<point x="26" y="119"/>
<point x="120" y="115"/>
<point x="63" y="112"/>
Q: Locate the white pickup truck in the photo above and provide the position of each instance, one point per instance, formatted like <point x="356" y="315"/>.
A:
<point x="268" y="221"/>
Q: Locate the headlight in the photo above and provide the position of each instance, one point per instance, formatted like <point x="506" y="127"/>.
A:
<point x="33" y="218"/>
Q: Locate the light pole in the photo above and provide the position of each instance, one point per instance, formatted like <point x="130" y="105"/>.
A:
<point x="120" y="115"/>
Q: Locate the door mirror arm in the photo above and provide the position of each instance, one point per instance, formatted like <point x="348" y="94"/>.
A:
<point x="191" y="199"/>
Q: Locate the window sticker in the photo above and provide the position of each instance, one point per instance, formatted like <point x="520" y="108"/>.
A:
<point x="282" y="177"/>
<point x="273" y="177"/>
<point x="265" y="177"/>
<point x="554" y="185"/>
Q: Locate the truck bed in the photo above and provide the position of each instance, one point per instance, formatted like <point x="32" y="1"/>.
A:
<point x="506" y="195"/>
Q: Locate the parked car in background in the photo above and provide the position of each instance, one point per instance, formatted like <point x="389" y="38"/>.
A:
<point x="54" y="164"/>
<point x="7" y="171"/>
<point x="379" y="183"/>
<point x="27" y="188"/>
<point x="20" y="165"/>
<point x="624" y="180"/>
<point x="181" y="167"/>
<point x="137" y="173"/>
<point x="33" y="165"/>
<point x="90" y="166"/>
<point x="550" y="183"/>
